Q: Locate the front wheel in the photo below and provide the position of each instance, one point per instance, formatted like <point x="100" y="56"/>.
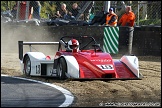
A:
<point x="27" y="66"/>
<point x="61" y="69"/>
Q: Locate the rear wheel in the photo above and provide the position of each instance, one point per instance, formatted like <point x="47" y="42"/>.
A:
<point x="61" y="69"/>
<point x="27" y="66"/>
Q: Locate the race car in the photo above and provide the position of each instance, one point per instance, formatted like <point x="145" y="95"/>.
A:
<point x="78" y="57"/>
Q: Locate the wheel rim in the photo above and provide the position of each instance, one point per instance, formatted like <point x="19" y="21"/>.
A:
<point x="59" y="70"/>
<point x="28" y="66"/>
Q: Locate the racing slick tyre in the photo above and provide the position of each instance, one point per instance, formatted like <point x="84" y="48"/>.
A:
<point x="61" y="69"/>
<point x="27" y="66"/>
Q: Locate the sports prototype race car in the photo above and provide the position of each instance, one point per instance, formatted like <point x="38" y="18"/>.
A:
<point x="78" y="57"/>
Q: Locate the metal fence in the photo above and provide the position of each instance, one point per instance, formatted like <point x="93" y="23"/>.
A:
<point x="147" y="12"/>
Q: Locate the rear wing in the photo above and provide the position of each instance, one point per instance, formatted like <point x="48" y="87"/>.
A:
<point x="21" y="43"/>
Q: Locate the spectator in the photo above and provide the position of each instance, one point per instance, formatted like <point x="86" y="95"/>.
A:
<point x="8" y="10"/>
<point x="35" y="7"/>
<point x="99" y="18"/>
<point x="75" y="10"/>
<point x="88" y="9"/>
<point x="111" y="18"/>
<point x="14" y="11"/>
<point x="63" y="12"/>
<point x="128" y="18"/>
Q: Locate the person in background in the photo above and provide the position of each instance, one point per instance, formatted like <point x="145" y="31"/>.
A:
<point x="111" y="18"/>
<point x="35" y="9"/>
<point x="75" y="10"/>
<point x="88" y="10"/>
<point x="14" y="11"/>
<point x="128" y="18"/>
<point x="38" y="9"/>
<point x="63" y="12"/>
<point x="99" y="18"/>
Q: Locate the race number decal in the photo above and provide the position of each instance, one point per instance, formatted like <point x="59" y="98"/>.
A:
<point x="106" y="67"/>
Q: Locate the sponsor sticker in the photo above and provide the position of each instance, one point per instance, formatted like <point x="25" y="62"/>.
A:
<point x="106" y="67"/>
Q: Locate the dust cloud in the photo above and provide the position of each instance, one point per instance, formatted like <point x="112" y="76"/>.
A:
<point x="10" y="35"/>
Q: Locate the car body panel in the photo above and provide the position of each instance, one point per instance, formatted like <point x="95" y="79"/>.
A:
<point x="38" y="58"/>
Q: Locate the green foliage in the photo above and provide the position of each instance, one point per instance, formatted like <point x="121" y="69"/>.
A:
<point x="150" y="22"/>
<point x="3" y="5"/>
<point x="47" y="9"/>
<point x="7" y="4"/>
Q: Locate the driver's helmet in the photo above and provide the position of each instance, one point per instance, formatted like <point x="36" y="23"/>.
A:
<point x="73" y="45"/>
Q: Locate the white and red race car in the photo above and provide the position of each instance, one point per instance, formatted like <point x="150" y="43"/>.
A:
<point x="90" y="62"/>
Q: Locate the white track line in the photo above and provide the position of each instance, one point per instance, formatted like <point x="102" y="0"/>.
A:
<point x="68" y="95"/>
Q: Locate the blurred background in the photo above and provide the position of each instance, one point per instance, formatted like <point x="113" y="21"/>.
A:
<point x="147" y="12"/>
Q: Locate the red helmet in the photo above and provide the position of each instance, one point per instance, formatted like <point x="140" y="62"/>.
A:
<point x="73" y="44"/>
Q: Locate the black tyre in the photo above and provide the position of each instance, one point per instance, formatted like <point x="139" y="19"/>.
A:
<point x="61" y="69"/>
<point x="27" y="66"/>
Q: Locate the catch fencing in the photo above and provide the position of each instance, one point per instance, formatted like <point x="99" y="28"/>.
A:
<point x="147" y="12"/>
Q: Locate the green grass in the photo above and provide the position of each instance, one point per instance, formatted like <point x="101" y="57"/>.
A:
<point x="150" y="22"/>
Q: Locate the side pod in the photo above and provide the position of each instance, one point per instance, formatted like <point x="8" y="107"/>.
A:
<point x="132" y="63"/>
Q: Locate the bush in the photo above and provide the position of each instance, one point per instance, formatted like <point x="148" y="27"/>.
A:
<point x="150" y="22"/>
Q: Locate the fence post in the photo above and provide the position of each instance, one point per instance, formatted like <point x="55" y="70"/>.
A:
<point x="18" y="11"/>
<point x="27" y="10"/>
<point x="106" y="6"/>
<point x="130" y="34"/>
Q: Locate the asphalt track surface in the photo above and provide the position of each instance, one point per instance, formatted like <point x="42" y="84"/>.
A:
<point x="22" y="92"/>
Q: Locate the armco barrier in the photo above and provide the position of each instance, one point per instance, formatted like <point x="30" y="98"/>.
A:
<point x="146" y="40"/>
